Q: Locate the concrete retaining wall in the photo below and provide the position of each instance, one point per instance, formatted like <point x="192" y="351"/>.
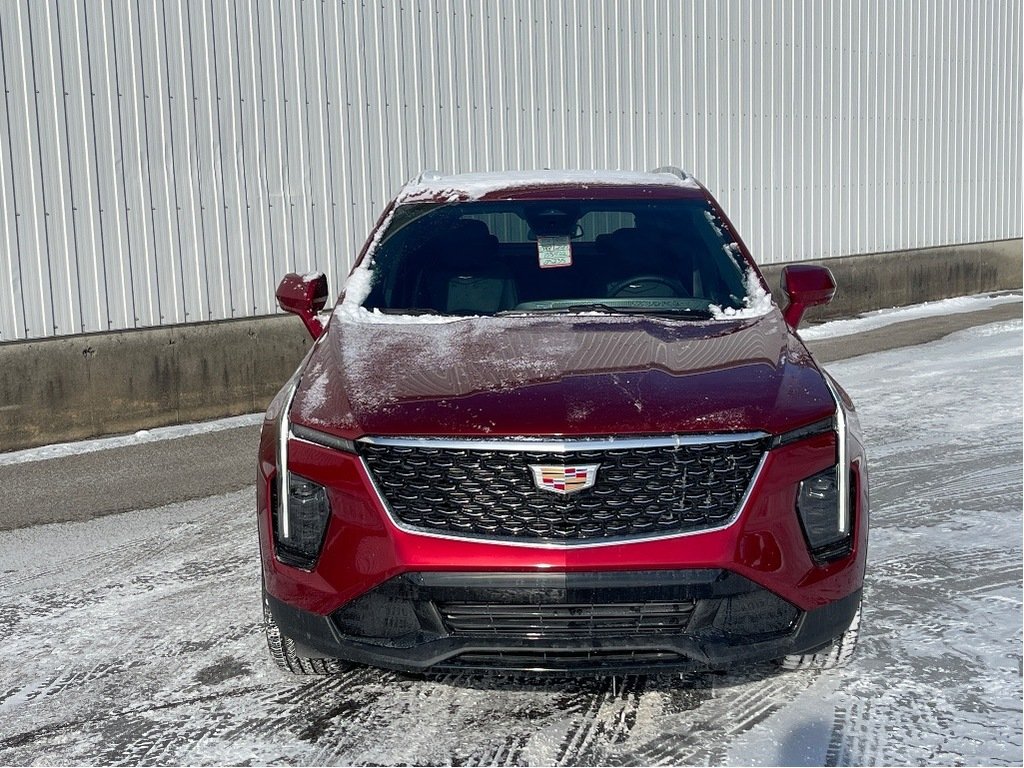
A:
<point x="108" y="383"/>
<point x="881" y="280"/>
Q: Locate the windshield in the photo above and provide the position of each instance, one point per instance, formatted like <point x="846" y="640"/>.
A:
<point x="666" y="257"/>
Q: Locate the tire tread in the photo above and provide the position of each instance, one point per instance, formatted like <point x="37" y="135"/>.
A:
<point x="285" y="655"/>
<point x="835" y="656"/>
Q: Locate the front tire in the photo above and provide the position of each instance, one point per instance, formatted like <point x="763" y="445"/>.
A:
<point x="835" y="656"/>
<point x="284" y="653"/>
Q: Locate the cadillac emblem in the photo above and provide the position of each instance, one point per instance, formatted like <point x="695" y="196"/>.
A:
<point x="564" y="480"/>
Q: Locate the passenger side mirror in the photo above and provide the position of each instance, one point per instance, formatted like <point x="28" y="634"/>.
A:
<point x="806" y="286"/>
<point x="305" y="296"/>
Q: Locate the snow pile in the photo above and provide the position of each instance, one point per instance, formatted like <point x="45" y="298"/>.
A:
<point x="757" y="302"/>
<point x="474" y="186"/>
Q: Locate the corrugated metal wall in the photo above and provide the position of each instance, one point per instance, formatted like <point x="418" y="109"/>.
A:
<point x="167" y="162"/>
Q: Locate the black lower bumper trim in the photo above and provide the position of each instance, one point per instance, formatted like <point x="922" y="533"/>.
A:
<point x="590" y="623"/>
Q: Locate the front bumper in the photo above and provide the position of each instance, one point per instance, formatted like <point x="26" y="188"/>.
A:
<point x="364" y="548"/>
<point x="565" y="623"/>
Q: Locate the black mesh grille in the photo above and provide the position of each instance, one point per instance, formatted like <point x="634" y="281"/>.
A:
<point x="638" y="491"/>
<point x="566" y="620"/>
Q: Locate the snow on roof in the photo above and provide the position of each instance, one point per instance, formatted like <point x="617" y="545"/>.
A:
<point x="431" y="185"/>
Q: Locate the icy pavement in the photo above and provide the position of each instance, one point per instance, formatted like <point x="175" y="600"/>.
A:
<point x="135" y="638"/>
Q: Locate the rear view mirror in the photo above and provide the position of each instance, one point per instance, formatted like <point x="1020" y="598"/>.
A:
<point x="806" y="286"/>
<point x="305" y="296"/>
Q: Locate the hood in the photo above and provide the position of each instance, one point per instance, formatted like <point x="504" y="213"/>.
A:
<point x="559" y="375"/>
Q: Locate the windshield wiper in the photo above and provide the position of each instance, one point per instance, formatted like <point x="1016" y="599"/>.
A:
<point x="408" y="311"/>
<point x="608" y="309"/>
<point x="567" y="309"/>
<point x="597" y="306"/>
<point x="689" y="313"/>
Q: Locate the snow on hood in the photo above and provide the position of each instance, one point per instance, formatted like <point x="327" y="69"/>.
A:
<point x="473" y="186"/>
<point x="565" y="374"/>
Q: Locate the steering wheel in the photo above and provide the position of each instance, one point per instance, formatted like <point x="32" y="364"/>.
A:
<point x="648" y="281"/>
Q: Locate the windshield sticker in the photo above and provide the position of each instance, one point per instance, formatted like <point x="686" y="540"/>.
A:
<point x="553" y="251"/>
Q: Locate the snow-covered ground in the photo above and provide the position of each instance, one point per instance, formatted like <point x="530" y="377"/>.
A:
<point x="56" y="450"/>
<point x="880" y="318"/>
<point x="136" y="638"/>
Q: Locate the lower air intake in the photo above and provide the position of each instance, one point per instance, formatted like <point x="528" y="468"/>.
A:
<point x="566" y="620"/>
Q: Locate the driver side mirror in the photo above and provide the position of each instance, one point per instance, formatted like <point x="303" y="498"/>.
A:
<point x="305" y="296"/>
<point x="806" y="286"/>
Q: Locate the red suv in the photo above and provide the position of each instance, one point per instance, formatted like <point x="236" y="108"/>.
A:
<point x="556" y="423"/>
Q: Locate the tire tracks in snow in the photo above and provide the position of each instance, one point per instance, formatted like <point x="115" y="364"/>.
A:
<point x="853" y="741"/>
<point x="613" y="721"/>
<point x="580" y="726"/>
<point x="27" y="737"/>
<point x="705" y="736"/>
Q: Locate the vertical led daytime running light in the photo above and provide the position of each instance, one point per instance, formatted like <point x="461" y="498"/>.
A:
<point x="283" y="433"/>
<point x="843" y="469"/>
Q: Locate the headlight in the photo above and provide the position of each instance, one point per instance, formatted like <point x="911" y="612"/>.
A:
<point x="826" y="501"/>
<point x="300" y="524"/>
<point x="299" y="507"/>
<point x="823" y="515"/>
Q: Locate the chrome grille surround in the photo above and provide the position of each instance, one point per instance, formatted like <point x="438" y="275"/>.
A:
<point x="646" y="488"/>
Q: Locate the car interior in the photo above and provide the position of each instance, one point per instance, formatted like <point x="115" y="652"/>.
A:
<point x="467" y="259"/>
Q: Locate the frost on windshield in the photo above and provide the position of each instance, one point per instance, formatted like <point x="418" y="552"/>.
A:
<point x="756" y="303"/>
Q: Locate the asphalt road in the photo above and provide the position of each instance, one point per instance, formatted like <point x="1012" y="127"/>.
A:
<point x="146" y="475"/>
<point x="136" y="638"/>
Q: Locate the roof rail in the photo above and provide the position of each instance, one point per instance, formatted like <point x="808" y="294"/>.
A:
<point x="674" y="170"/>
<point x="426" y="175"/>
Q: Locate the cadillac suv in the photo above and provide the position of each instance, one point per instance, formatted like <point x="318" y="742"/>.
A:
<point x="557" y="423"/>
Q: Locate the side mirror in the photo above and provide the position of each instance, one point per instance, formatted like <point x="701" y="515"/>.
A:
<point x="806" y="286"/>
<point x="305" y="296"/>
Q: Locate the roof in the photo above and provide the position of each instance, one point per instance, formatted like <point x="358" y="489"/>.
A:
<point x="433" y="186"/>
